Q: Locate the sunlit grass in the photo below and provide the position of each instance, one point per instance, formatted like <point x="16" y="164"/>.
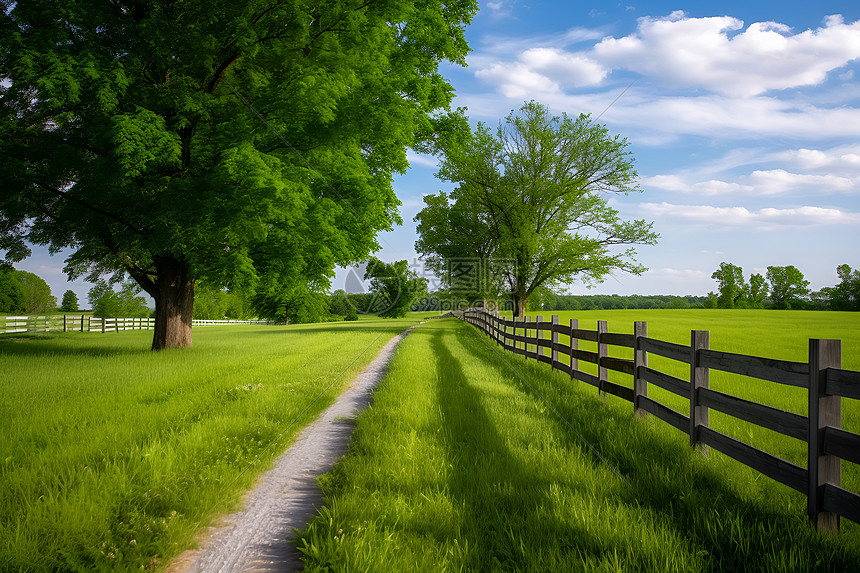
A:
<point x="114" y="457"/>
<point x="460" y="465"/>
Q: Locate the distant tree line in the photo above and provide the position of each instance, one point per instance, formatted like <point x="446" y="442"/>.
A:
<point x="553" y="301"/>
<point x="782" y="288"/>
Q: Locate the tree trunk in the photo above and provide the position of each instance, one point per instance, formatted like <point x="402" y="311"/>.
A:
<point x="174" y="304"/>
<point x="521" y="306"/>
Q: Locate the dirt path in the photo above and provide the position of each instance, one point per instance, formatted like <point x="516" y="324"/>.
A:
<point x="257" y="539"/>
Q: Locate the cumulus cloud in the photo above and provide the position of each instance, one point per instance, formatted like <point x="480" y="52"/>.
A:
<point x="766" y="219"/>
<point x="718" y="55"/>
<point x="759" y="182"/>
<point x="844" y="160"/>
<point x="516" y="81"/>
<point x="715" y="54"/>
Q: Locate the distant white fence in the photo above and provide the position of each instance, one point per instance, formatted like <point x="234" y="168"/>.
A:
<point x="86" y="323"/>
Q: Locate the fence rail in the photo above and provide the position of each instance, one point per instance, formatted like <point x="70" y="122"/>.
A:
<point x="86" y="323"/>
<point x="822" y="376"/>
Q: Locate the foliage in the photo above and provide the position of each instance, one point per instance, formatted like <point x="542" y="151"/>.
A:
<point x="731" y="284"/>
<point x="787" y="286"/>
<point x="845" y="295"/>
<point x="107" y="303"/>
<point x="222" y="141"/>
<point x="554" y="301"/>
<point x="217" y="304"/>
<point x="456" y="247"/>
<point x="531" y="194"/>
<point x="11" y="291"/>
<point x="37" y="293"/>
<point x="70" y="301"/>
<point x="297" y="305"/>
<point x="755" y="291"/>
<point x="395" y="286"/>
<point x="339" y="304"/>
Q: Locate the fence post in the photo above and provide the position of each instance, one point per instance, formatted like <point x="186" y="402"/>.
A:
<point x="823" y="411"/>
<point x="538" y="337"/>
<point x="640" y="360"/>
<point x="103" y="324"/>
<point x="602" y="352"/>
<point x="526" y="336"/>
<point x="574" y="345"/>
<point x="699" y="340"/>
<point x="554" y="340"/>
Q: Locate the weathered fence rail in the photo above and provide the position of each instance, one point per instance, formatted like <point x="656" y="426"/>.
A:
<point x="86" y="323"/>
<point x="822" y="376"/>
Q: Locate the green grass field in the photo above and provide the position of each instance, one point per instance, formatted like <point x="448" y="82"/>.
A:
<point x="772" y="334"/>
<point x="113" y="457"/>
<point x="476" y="459"/>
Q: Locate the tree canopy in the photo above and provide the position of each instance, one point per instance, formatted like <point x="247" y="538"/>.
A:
<point x="241" y="143"/>
<point x="787" y="286"/>
<point x="395" y="286"/>
<point x="535" y="191"/>
<point x="70" y="301"/>
<point x="11" y="291"/>
<point x="107" y="303"/>
<point x="37" y="293"/>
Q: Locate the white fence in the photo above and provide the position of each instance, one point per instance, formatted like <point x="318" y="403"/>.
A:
<point x="86" y="323"/>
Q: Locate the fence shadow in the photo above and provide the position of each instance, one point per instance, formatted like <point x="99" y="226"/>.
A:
<point x="715" y="518"/>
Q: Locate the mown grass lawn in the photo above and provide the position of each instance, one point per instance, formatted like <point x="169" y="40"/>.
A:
<point x="113" y="457"/>
<point x="472" y="459"/>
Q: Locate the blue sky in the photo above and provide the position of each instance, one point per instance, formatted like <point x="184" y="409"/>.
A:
<point x="743" y="117"/>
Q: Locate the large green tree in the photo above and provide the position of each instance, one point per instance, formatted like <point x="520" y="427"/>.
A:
<point x="226" y="141"/>
<point x="70" y="301"/>
<point x="11" y="291"/>
<point x="787" y="286"/>
<point x="537" y="189"/>
<point x="394" y="286"/>
<point x="455" y="246"/>
<point x="846" y="295"/>
<point x="108" y="303"/>
<point x="730" y="279"/>
<point x="37" y="293"/>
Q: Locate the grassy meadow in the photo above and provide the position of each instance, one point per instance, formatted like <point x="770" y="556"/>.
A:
<point x="772" y="334"/>
<point x="472" y="458"/>
<point x="113" y="457"/>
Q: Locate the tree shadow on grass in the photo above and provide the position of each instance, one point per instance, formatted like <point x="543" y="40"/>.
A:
<point x="688" y="499"/>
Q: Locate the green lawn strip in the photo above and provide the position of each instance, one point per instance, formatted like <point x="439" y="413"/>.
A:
<point x="114" y="457"/>
<point x="459" y="465"/>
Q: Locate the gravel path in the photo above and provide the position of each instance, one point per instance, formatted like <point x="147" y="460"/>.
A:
<point x="257" y="539"/>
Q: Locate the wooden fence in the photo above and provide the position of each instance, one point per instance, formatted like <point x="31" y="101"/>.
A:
<point x="86" y="323"/>
<point x="821" y="375"/>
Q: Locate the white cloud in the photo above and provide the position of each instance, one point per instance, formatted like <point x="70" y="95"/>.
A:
<point x="715" y="54"/>
<point x="842" y="160"/>
<point x="757" y="183"/>
<point x="767" y="219"/>
<point x="517" y="81"/>
<point x="678" y="275"/>
<point x="649" y="119"/>
<point x="422" y="160"/>
<point x="575" y="69"/>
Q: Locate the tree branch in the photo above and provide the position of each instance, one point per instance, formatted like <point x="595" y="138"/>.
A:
<point x="89" y="207"/>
